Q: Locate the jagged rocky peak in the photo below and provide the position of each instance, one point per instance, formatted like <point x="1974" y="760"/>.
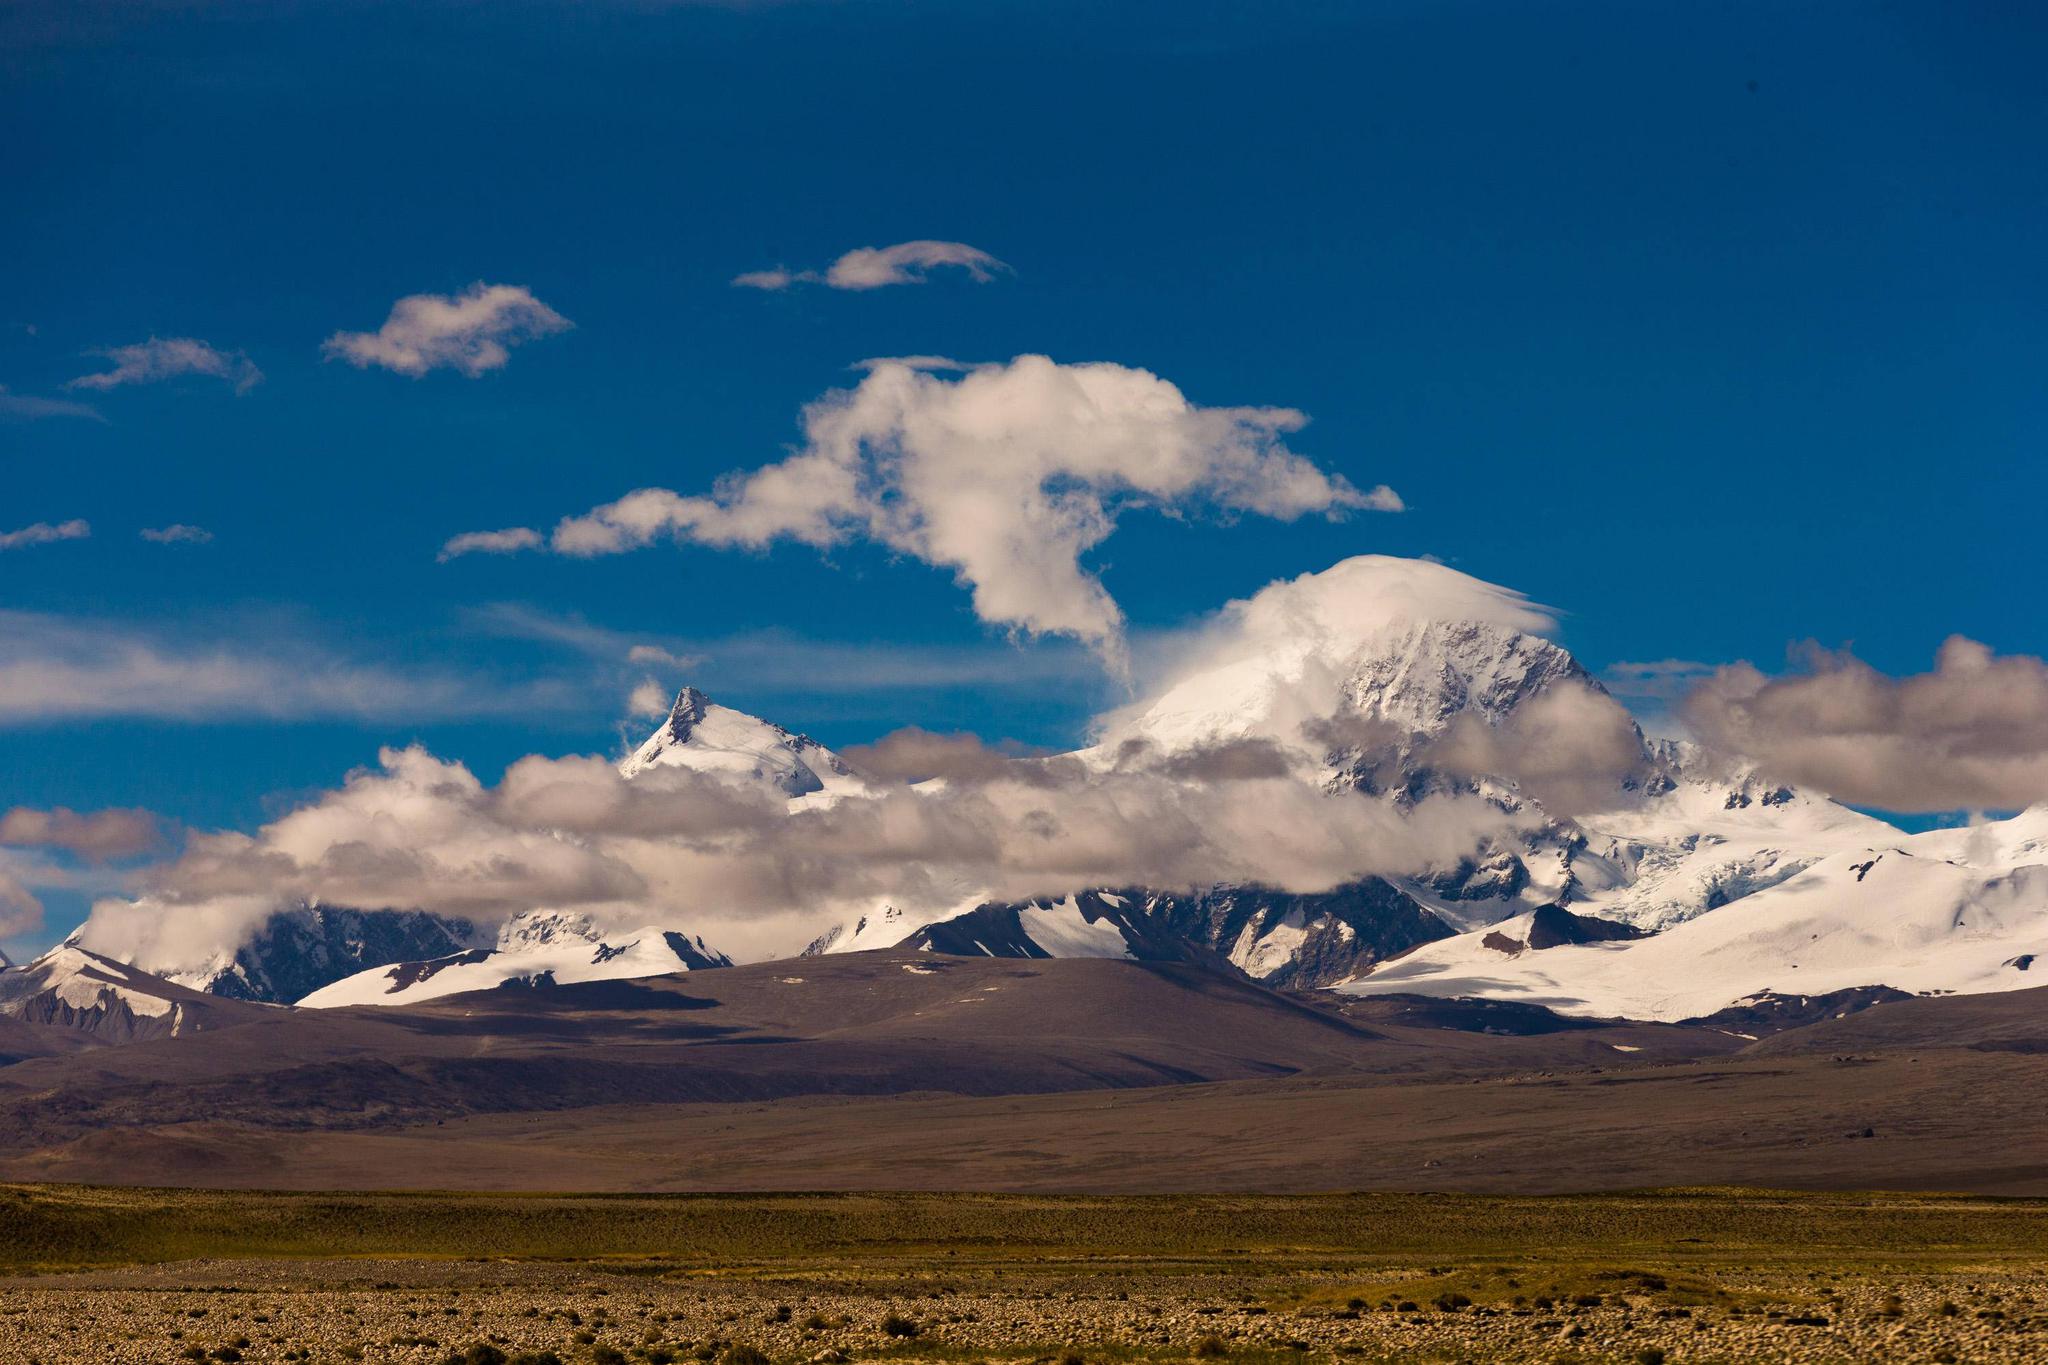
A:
<point x="684" y="715"/>
<point x="1427" y="675"/>
<point x="537" y="928"/>
<point x="703" y="736"/>
<point x="299" y="949"/>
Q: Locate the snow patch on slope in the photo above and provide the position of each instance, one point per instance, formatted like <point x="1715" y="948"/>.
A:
<point x="1063" y="930"/>
<point x="86" y="980"/>
<point x="536" y="948"/>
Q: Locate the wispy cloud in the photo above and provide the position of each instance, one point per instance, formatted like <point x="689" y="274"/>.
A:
<point x="20" y="911"/>
<point x="23" y="407"/>
<point x="782" y="662"/>
<point x="471" y="332"/>
<point x="161" y="358"/>
<point x="101" y="835"/>
<point x="511" y="540"/>
<point x="178" y="533"/>
<point x="44" y="533"/>
<point x="1657" y="681"/>
<point x="871" y="267"/>
<point x="56" y="668"/>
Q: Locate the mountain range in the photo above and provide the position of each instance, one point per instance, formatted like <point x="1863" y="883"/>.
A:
<point x="1701" y="975"/>
<point x="1687" y="888"/>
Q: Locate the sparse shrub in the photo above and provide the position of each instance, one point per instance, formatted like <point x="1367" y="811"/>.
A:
<point x="605" y="1354"/>
<point x="814" y="1323"/>
<point x="1948" y="1309"/>
<point x="228" y="1355"/>
<point x="1451" y="1303"/>
<point x="479" y="1353"/>
<point x="1211" y="1346"/>
<point x="781" y="1313"/>
<point x="1072" y="1358"/>
<point x="536" y="1358"/>
<point x="896" y="1325"/>
<point x="659" y="1355"/>
<point x="194" y="1353"/>
<point x="583" y="1338"/>
<point x="739" y="1353"/>
<point x="1650" y="1355"/>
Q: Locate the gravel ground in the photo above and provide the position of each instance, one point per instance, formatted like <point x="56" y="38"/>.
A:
<point x="414" y="1313"/>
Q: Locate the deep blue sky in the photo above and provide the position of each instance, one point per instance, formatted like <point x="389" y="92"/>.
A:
<point x="1717" y="326"/>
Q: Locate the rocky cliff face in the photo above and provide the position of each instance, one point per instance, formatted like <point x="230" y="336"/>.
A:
<point x="301" y="949"/>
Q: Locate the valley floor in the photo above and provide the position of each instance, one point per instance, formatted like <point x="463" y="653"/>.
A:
<point x="159" y="1276"/>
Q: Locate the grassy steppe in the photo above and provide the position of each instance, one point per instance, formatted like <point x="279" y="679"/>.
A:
<point x="52" y="1227"/>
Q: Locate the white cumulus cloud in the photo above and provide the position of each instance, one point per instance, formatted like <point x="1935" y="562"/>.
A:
<point x="472" y="332"/>
<point x="161" y="358"/>
<point x="649" y="700"/>
<point x="1007" y="475"/>
<point x="876" y="267"/>
<point x="1971" y="734"/>
<point x="760" y="878"/>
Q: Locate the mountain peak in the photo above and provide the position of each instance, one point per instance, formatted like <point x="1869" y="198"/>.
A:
<point x="1423" y="676"/>
<point x="684" y="716"/>
<point x="706" y="737"/>
<point x="76" y="989"/>
<point x="1414" y="677"/>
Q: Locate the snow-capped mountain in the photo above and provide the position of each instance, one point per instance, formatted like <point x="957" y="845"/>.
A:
<point x="1688" y="888"/>
<point x="541" y="948"/>
<point x="70" y="988"/>
<point x="705" y="737"/>
<point x="1407" y="681"/>
<point x="332" y="954"/>
<point x="1696" y="887"/>
<point x="301" y="948"/>
<point x="1280" y="938"/>
<point x="1339" y="670"/>
<point x="1945" y="911"/>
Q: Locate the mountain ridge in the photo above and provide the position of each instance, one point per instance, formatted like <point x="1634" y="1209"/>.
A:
<point x="1364" y="698"/>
